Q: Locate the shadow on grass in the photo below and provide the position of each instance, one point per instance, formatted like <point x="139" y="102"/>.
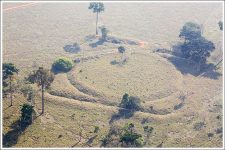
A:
<point x="74" y="48"/>
<point x="90" y="140"/>
<point x="11" y="137"/>
<point x="122" y="114"/>
<point x="208" y="70"/>
<point x="96" y="44"/>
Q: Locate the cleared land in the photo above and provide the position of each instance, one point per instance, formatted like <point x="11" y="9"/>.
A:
<point x="89" y="94"/>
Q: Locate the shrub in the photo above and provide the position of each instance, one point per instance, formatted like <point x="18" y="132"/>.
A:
<point x="130" y="102"/>
<point x="62" y="65"/>
<point x="26" y="114"/>
<point x="96" y="129"/>
<point x="104" y="31"/>
<point x="121" y="49"/>
<point x="220" y="23"/>
<point x="130" y="137"/>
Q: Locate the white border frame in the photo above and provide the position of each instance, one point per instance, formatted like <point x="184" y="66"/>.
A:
<point x="41" y="1"/>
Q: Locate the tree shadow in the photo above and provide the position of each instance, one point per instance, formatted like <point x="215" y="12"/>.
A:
<point x="122" y="114"/>
<point x="185" y="67"/>
<point x="96" y="44"/>
<point x="90" y="140"/>
<point x="211" y="72"/>
<point x="11" y="137"/>
<point x="74" y="48"/>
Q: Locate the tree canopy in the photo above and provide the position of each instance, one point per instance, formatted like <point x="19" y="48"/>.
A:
<point x="190" y="31"/>
<point x="62" y="64"/>
<point x="121" y="49"/>
<point x="42" y="77"/>
<point x="195" y="47"/>
<point x="197" y="50"/>
<point x="9" y="69"/>
<point x="130" y="102"/>
<point x="96" y="7"/>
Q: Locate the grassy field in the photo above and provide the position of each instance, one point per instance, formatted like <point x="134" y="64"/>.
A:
<point x="88" y="96"/>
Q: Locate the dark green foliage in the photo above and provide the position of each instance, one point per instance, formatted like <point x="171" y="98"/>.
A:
<point x="198" y="49"/>
<point x="121" y="49"/>
<point x="130" y="102"/>
<point x="62" y="65"/>
<point x="130" y="137"/>
<point x="96" y="129"/>
<point x="26" y="115"/>
<point x="190" y="31"/>
<point x="123" y="137"/>
<point x="8" y="71"/>
<point x="105" y="141"/>
<point x="220" y="23"/>
<point x="195" y="47"/>
<point x="96" y="7"/>
<point x="148" y="129"/>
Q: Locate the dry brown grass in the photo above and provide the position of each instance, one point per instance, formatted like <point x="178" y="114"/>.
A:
<point x="46" y="28"/>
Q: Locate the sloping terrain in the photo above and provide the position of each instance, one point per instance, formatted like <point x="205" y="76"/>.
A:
<point x="183" y="107"/>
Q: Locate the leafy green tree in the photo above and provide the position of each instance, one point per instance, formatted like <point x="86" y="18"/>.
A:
<point x="62" y="64"/>
<point x="97" y="7"/>
<point x="26" y="114"/>
<point x="220" y="23"/>
<point x="190" y="31"/>
<point x="197" y="50"/>
<point x="104" y="32"/>
<point x="130" y="102"/>
<point x="43" y="78"/>
<point x="9" y="71"/>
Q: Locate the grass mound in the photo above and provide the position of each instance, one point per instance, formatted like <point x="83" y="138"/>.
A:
<point x="139" y="76"/>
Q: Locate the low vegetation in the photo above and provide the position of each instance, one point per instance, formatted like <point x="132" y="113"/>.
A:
<point x="163" y="104"/>
<point x="130" y="102"/>
<point x="62" y="64"/>
<point x="26" y="115"/>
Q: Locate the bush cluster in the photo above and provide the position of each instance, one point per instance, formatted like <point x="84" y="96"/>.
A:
<point x="62" y="64"/>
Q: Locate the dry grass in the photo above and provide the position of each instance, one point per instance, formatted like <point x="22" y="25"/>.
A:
<point x="46" y="28"/>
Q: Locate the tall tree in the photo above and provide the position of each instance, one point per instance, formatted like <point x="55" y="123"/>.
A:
<point x="9" y="70"/>
<point x="43" y="78"/>
<point x="97" y="7"/>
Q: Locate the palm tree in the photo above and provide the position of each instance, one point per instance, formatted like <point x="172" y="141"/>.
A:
<point x="97" y="8"/>
<point x="43" y="78"/>
<point x="9" y="71"/>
